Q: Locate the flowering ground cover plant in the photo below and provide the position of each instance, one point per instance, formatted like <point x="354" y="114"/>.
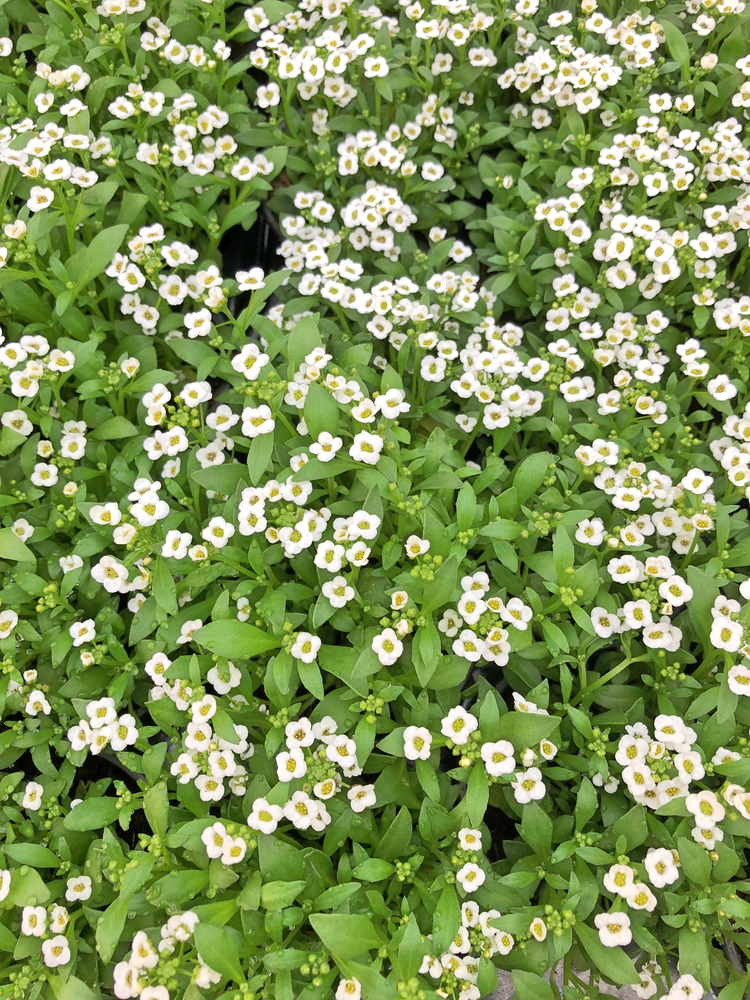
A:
<point x="377" y="620"/>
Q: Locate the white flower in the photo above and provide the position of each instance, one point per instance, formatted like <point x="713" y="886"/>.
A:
<point x="706" y="809"/>
<point x="204" y="709"/>
<point x="213" y="838"/>
<point x="619" y="879"/>
<point x="498" y="758"/>
<point x="33" y="921"/>
<point x="306" y="647"/>
<point x="417" y="743"/>
<point x="249" y="361"/>
<point x="143" y="953"/>
<point x="342" y="750"/>
<point x="458" y="725"/>
<point x="470" y="840"/>
<point x="387" y="646"/>
<point x="257" y="420"/>
<point x="78" y="888"/>
<point x="528" y="786"/>
<point x="640" y="897"/>
<point x="218" y="532"/>
<point x="4" y="883"/>
<point x="80" y="735"/>
<point x="686" y="988"/>
<point x="338" y="592"/>
<point x="675" y="591"/>
<point x="22" y="528"/>
<point x="416" y="546"/>
<point x="516" y="613"/>
<point x="101" y="713"/>
<point x="187" y="629"/>
<point x="661" y="867"/>
<point x="349" y="989"/>
<point x="299" y="734"/>
<point x="267" y="96"/>
<point x="696" y="481"/>
<point x="326" y="446"/>
<point x="250" y="280"/>
<point x="726" y="634"/>
<point x="264" y="817"/>
<point x="37" y="703"/>
<point x="83" y="632"/>
<point x="32" y="796"/>
<point x="234" y="851"/>
<point x="471" y="877"/>
<point x="18" y="421"/>
<point x="738" y="679"/>
<point x="176" y="544"/>
<point x="366" y="448"/>
<point x="614" y="929"/>
<point x="43" y="474"/>
<point x="291" y="764"/>
<point x="361" y="797"/>
<point x="8" y="621"/>
<point x="210" y="789"/>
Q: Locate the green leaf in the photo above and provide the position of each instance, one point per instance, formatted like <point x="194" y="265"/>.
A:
<point x="218" y="950"/>
<point x="676" y="43"/>
<point x="311" y="678"/>
<point x="32" y="854"/>
<point x="114" y="429"/>
<point x="92" y="814"/>
<point x="428" y="780"/>
<point x="705" y="591"/>
<point x="524" y="729"/>
<point x="163" y="588"/>
<point x="633" y="827"/>
<point x="411" y="950"/>
<point x="441" y="589"/>
<point x="694" y="861"/>
<point x="466" y="505"/>
<point x="530" y="474"/>
<point x="156" y="807"/>
<point x="475" y="802"/>
<point x="27" y="888"/>
<point x="373" y="870"/>
<point x="86" y="265"/>
<point x="735" y="990"/>
<point x="529" y="986"/>
<point x="613" y="963"/>
<point x="536" y="829"/>
<point x="345" y="935"/>
<point x="12" y="548"/>
<point x="446" y="919"/>
<point x="581" y="721"/>
<point x="329" y="899"/>
<point x="278" y="895"/>
<point x="321" y="411"/>
<point x="258" y="457"/>
<point x="235" y="639"/>
<point x="425" y="651"/>
<point x="694" y="957"/>
<point x="110" y="928"/>
<point x="586" y="803"/>
<point x="71" y="989"/>
<point x="563" y="553"/>
<point x="501" y="528"/>
<point x="303" y="339"/>
<point x="315" y="469"/>
<point x="395" y="841"/>
<point x="222" y="478"/>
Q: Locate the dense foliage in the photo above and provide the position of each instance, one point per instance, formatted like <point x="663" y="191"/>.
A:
<point x="377" y="620"/>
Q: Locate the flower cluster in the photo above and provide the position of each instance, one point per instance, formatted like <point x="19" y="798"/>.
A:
<point x="374" y="613"/>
